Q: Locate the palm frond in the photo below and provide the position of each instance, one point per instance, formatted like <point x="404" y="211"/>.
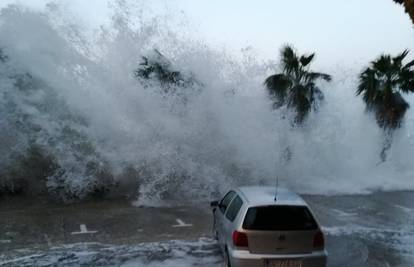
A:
<point x="277" y="86"/>
<point x="158" y="68"/>
<point x="299" y="100"/>
<point x="406" y="80"/>
<point x="397" y="61"/>
<point x="380" y="86"/>
<point x="409" y="65"/>
<point x="306" y="60"/>
<point x="144" y="61"/>
<point x="368" y="87"/>
<point x="290" y="61"/>
<point x="295" y="86"/>
<point x="382" y="64"/>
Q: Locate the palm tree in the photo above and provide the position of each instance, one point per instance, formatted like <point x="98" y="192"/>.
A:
<point x="157" y="67"/>
<point x="381" y="86"/>
<point x="409" y="7"/>
<point x="296" y="86"/>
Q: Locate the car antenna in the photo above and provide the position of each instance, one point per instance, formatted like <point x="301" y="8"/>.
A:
<point x="277" y="185"/>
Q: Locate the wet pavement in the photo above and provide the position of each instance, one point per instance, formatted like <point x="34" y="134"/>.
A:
<point x="368" y="230"/>
<point x="361" y="230"/>
<point x="46" y="225"/>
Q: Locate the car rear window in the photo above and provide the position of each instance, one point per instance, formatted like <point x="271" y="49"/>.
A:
<point x="279" y="218"/>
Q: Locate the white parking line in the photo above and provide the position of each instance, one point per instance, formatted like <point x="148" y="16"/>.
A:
<point x="5" y="241"/>
<point x="83" y="230"/>
<point x="182" y="224"/>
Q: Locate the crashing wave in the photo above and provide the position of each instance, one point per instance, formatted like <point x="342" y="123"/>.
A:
<point x="79" y="119"/>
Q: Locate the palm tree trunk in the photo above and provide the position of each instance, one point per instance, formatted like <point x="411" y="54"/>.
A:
<point x="386" y="145"/>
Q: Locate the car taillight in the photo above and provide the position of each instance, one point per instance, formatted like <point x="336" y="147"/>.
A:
<point x="319" y="241"/>
<point x="240" y="239"/>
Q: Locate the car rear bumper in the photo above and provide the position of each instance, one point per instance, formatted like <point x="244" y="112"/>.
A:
<point x="240" y="258"/>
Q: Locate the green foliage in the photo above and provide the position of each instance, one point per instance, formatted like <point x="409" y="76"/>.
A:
<point x="159" y="68"/>
<point x="381" y="86"/>
<point x="296" y="86"/>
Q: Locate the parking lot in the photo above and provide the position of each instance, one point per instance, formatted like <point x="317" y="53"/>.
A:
<point x="361" y="230"/>
<point x="44" y="225"/>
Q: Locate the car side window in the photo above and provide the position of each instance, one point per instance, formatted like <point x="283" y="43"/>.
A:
<point x="224" y="203"/>
<point x="234" y="208"/>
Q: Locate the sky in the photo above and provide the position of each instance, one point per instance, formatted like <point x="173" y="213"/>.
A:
<point x="336" y="29"/>
<point x="339" y="31"/>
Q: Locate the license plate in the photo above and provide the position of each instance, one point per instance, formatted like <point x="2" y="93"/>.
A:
<point x="283" y="263"/>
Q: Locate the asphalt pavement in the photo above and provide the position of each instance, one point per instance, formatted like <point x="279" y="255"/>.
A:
<point x="25" y="223"/>
<point x="372" y="230"/>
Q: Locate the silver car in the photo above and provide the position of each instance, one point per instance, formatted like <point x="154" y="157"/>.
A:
<point x="262" y="226"/>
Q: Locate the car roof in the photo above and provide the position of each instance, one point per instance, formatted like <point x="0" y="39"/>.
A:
<point x="265" y="195"/>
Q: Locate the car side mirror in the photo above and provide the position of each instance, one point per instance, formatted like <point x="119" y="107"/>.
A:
<point x="214" y="204"/>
